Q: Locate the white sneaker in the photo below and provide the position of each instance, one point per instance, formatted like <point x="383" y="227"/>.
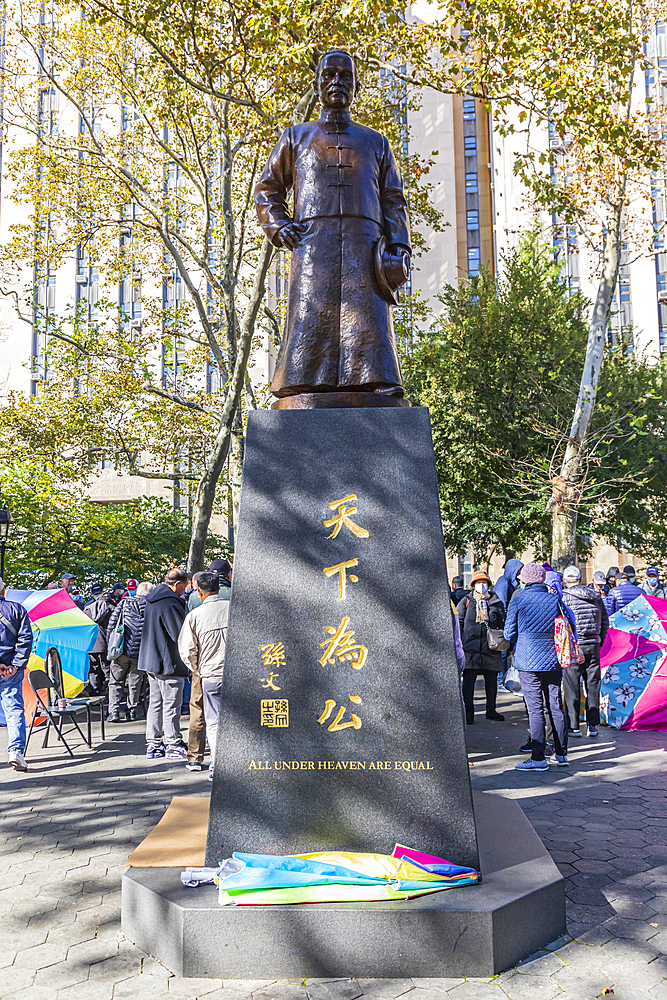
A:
<point x="592" y="732"/>
<point x="210" y="773"/>
<point x="17" y="760"/>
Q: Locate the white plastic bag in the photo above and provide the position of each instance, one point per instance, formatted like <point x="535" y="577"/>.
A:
<point x="512" y="680"/>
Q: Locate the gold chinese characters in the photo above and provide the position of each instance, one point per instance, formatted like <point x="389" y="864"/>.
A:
<point x="337" y="725"/>
<point x="344" y="517"/>
<point x="273" y="655"/>
<point x="341" y="647"/>
<point x="341" y="569"/>
<point x="273" y="712"/>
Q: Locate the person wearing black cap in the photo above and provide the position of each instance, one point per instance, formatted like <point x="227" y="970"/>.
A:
<point x="624" y="592"/>
<point x="95" y="592"/>
<point x="224" y="570"/>
<point x="159" y="657"/>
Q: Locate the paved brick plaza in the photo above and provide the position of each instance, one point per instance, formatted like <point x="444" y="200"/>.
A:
<point x="69" y="826"/>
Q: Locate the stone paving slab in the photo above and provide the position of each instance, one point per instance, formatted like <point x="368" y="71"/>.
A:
<point x="67" y="827"/>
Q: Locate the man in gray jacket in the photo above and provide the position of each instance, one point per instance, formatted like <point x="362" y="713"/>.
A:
<point x="592" y="621"/>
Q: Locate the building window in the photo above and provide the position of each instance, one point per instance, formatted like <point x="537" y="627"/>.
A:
<point x="470" y="144"/>
<point x="473" y="261"/>
<point x="471" y="183"/>
<point x="468" y="110"/>
<point x="472" y="219"/>
<point x="624" y="287"/>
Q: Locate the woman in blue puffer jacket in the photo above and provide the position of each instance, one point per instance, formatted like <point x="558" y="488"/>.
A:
<point x="530" y="626"/>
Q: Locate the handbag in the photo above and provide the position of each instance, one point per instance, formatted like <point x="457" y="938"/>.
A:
<point x="495" y="640"/>
<point x="116" y="642"/>
<point x="567" y="650"/>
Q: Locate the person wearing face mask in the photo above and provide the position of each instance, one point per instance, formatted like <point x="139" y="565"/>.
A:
<point x="625" y="591"/>
<point x="652" y="585"/>
<point x="480" y="610"/>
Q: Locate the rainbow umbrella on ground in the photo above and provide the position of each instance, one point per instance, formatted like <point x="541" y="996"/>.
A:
<point x="335" y="876"/>
<point x="634" y="666"/>
<point x="56" y="622"/>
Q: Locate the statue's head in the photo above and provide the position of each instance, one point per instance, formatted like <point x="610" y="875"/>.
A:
<point x="336" y="79"/>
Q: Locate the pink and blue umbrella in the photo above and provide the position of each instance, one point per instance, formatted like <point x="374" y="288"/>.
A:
<point x="634" y="666"/>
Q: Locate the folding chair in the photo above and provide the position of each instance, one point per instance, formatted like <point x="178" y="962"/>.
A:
<point x="40" y="681"/>
<point x="54" y="669"/>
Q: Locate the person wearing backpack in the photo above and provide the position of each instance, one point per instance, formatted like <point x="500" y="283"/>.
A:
<point x="129" y="612"/>
<point x="592" y="621"/>
<point x="480" y="610"/>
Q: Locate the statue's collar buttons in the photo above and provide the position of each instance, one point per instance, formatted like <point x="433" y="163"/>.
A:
<point x="329" y="116"/>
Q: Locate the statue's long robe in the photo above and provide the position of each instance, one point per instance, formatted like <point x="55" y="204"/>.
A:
<point x="348" y="192"/>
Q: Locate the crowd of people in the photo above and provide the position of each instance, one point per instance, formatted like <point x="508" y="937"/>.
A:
<point x="518" y="622"/>
<point x="160" y="651"/>
<point x="159" y="646"/>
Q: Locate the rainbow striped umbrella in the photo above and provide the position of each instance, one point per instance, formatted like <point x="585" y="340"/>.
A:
<point x="56" y="621"/>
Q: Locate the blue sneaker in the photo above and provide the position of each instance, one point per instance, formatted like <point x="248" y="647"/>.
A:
<point x="532" y="765"/>
<point x="153" y="752"/>
<point x="177" y="752"/>
<point x="561" y="761"/>
<point x="193" y="765"/>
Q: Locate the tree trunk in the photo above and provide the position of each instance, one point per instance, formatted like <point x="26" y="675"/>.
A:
<point x="236" y="455"/>
<point x="203" y="505"/>
<point x="565" y="491"/>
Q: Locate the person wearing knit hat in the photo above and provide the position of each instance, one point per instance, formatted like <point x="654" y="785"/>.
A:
<point x="531" y="627"/>
<point x="477" y="612"/>
<point x="532" y="573"/>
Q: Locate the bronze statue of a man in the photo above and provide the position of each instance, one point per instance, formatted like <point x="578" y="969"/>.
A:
<point x="350" y="241"/>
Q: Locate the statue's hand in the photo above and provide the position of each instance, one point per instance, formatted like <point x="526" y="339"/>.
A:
<point x="289" y="236"/>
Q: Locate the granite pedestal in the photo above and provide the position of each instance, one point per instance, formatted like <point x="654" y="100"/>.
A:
<point x="341" y="725"/>
<point x="477" y="930"/>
